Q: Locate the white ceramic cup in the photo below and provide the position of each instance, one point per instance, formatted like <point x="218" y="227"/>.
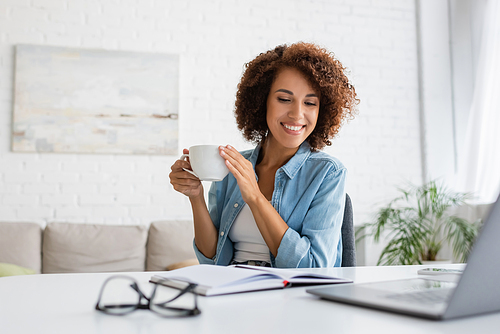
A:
<point x="206" y="163"/>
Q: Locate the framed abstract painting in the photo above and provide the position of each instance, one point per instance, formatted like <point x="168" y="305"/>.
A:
<point x="69" y="100"/>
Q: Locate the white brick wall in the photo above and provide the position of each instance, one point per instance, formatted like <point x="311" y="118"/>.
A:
<point x="375" y="39"/>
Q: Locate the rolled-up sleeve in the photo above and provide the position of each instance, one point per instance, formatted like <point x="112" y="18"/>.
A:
<point x="319" y="242"/>
<point x="202" y="259"/>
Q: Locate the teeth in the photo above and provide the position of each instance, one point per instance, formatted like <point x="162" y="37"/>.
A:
<point x="293" y="128"/>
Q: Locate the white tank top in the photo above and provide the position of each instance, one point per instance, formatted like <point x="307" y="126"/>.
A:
<point x="247" y="240"/>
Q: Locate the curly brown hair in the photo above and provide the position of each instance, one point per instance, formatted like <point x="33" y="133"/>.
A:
<point x="324" y="72"/>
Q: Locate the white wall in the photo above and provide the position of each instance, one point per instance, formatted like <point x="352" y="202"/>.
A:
<point x="376" y="40"/>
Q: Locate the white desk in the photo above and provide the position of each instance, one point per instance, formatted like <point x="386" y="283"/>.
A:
<point x="65" y="303"/>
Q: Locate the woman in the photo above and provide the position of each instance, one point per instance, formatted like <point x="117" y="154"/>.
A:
<point x="282" y="203"/>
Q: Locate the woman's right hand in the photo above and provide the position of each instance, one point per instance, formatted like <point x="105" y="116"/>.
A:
<point x="184" y="182"/>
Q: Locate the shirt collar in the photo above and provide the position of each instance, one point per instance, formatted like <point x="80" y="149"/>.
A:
<point x="293" y="165"/>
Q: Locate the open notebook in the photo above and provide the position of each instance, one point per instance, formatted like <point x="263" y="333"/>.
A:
<point x="219" y="280"/>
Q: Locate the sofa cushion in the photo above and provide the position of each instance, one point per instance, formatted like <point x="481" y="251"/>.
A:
<point x="73" y="248"/>
<point x="183" y="264"/>
<point x="169" y="242"/>
<point x="21" y="244"/>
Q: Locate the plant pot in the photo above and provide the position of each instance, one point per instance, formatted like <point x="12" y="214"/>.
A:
<point x="437" y="262"/>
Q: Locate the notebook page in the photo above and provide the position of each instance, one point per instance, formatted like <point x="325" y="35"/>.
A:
<point x="214" y="276"/>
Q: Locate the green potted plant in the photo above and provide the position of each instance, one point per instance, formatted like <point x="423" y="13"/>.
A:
<point x="418" y="224"/>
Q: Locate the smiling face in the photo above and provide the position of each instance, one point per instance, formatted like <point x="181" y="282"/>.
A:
<point x="292" y="109"/>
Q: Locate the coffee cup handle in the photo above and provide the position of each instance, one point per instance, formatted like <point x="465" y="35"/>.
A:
<point x="183" y="157"/>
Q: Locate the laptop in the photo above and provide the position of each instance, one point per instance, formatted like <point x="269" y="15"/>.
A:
<point x="437" y="297"/>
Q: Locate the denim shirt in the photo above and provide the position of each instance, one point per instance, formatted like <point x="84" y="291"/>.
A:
<point x="309" y="195"/>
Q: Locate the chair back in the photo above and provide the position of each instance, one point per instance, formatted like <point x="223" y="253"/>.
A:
<point x="348" y="241"/>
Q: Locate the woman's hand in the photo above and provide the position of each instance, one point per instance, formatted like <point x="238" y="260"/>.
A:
<point x="243" y="171"/>
<point x="184" y="182"/>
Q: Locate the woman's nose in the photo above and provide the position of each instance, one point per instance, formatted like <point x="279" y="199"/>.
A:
<point x="296" y="111"/>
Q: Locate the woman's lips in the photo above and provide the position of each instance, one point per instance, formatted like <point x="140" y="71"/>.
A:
<point x="293" y="129"/>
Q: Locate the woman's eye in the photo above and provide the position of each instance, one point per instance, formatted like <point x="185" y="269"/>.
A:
<point x="310" y="103"/>
<point x="283" y="99"/>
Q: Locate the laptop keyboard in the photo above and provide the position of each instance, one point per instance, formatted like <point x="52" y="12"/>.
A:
<point x="434" y="296"/>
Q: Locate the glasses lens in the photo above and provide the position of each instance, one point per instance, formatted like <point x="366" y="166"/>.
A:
<point x="118" y="296"/>
<point x="170" y="302"/>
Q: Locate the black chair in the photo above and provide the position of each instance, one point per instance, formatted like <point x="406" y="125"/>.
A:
<point x="348" y="241"/>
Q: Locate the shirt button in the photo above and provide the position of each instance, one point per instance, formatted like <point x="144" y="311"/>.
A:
<point x="235" y="205"/>
<point x="222" y="233"/>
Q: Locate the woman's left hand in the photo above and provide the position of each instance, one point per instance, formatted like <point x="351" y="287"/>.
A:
<point x="243" y="171"/>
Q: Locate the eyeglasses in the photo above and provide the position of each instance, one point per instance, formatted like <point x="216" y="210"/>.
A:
<point x="121" y="295"/>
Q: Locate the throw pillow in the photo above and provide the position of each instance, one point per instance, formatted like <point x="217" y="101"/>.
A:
<point x="7" y="269"/>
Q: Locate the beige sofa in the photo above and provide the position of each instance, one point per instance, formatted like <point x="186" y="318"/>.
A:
<point x="76" y="248"/>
